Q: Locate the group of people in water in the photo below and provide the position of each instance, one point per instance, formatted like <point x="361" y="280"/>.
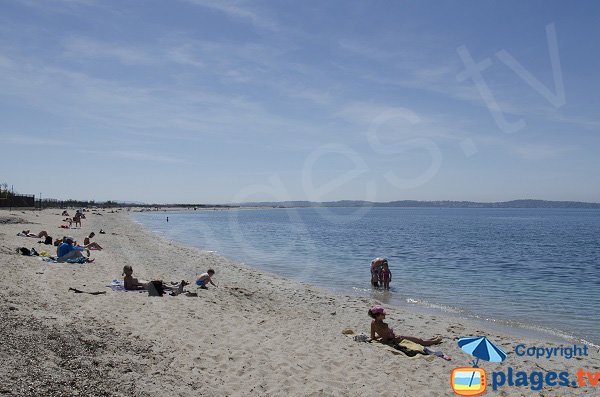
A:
<point x="381" y="275"/>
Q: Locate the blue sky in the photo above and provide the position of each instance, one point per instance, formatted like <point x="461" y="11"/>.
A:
<point x="215" y="102"/>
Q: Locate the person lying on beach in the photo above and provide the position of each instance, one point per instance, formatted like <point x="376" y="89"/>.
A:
<point x="68" y="250"/>
<point x="65" y="213"/>
<point x="382" y="332"/>
<point x="27" y="233"/>
<point x="89" y="244"/>
<point x="205" y="278"/>
<point x="133" y="284"/>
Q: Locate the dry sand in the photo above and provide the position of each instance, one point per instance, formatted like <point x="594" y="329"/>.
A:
<point x="256" y="334"/>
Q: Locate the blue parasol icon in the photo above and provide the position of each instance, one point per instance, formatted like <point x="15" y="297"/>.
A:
<point x="482" y="348"/>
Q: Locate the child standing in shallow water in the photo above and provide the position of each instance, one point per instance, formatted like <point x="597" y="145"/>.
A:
<point x="382" y="332"/>
<point x="387" y="275"/>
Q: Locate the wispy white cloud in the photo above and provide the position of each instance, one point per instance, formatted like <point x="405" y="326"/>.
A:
<point x="527" y="150"/>
<point x="27" y="140"/>
<point x="541" y="151"/>
<point x="136" y="155"/>
<point x="86" y="48"/>
<point x="239" y="10"/>
<point x="184" y="55"/>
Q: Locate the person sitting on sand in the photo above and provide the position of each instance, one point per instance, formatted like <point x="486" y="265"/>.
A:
<point x="68" y="250"/>
<point x="133" y="284"/>
<point x="89" y="244"/>
<point x="205" y="278"/>
<point x="130" y="282"/>
<point x="65" y="213"/>
<point x="382" y="332"/>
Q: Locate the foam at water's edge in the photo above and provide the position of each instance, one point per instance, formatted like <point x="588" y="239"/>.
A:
<point x="511" y="327"/>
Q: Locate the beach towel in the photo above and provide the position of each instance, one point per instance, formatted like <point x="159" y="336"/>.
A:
<point x="117" y="285"/>
<point x="409" y="348"/>
<point x="52" y="259"/>
<point x="404" y="348"/>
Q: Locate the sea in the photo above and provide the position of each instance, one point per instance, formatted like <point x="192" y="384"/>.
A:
<point x="536" y="269"/>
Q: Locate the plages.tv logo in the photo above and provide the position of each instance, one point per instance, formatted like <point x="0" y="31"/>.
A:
<point x="472" y="381"/>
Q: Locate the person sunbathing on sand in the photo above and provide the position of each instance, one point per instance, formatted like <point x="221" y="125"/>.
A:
<point x="382" y="332"/>
<point x="27" y="233"/>
<point x="89" y="244"/>
<point x="68" y="250"/>
<point x="132" y="284"/>
<point x="205" y="278"/>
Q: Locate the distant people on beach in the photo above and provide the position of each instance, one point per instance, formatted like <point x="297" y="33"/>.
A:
<point x="205" y="278"/>
<point x="65" y="213"/>
<point x="167" y="219"/>
<point x="77" y="218"/>
<point x="68" y="250"/>
<point x="382" y="332"/>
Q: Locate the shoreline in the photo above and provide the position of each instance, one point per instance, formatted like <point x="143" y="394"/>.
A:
<point x="257" y="333"/>
<point x="515" y="328"/>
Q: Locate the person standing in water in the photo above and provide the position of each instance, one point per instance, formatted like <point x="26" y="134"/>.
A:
<point x="386" y="274"/>
<point x="376" y="267"/>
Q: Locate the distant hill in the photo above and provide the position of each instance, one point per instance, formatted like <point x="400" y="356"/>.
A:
<point x="427" y="204"/>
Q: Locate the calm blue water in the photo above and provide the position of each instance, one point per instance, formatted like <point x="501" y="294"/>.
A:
<point x="538" y="267"/>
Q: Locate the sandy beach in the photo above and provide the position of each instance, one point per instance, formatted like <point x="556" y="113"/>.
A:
<point x="256" y="334"/>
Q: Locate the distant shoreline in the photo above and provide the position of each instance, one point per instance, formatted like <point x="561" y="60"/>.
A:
<point x="429" y="204"/>
<point x="521" y="203"/>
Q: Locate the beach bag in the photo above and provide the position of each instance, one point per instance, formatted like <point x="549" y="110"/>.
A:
<point x="48" y="240"/>
<point x="155" y="288"/>
<point x="24" y="251"/>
